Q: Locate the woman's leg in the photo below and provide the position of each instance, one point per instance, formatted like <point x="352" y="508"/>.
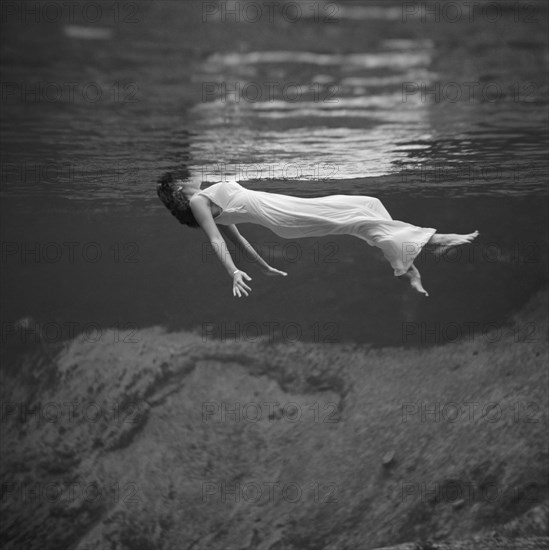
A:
<point x="402" y="242"/>
<point x="415" y="280"/>
<point x="439" y="244"/>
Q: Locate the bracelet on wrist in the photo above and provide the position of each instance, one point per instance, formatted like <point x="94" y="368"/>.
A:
<point x="235" y="272"/>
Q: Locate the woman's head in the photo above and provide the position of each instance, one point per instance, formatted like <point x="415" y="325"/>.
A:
<point x="170" y="192"/>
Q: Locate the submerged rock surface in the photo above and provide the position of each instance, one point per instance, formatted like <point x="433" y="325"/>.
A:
<point x="165" y="440"/>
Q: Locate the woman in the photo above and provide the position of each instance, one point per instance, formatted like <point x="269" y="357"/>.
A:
<point x="221" y="206"/>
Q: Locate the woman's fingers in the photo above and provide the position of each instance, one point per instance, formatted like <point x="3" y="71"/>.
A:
<point x="241" y="287"/>
<point x="241" y="283"/>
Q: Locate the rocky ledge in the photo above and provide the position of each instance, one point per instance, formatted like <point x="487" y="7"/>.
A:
<point x="166" y="440"/>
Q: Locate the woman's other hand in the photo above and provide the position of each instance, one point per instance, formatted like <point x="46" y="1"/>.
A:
<point x="272" y="272"/>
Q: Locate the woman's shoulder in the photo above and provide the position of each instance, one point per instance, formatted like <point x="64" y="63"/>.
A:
<point x="221" y="186"/>
<point x="226" y="182"/>
<point x="231" y="183"/>
<point x="210" y="189"/>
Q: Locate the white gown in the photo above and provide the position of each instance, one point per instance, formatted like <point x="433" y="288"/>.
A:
<point x="296" y="217"/>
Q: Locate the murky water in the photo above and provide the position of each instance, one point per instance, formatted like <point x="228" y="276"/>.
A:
<point x="442" y="115"/>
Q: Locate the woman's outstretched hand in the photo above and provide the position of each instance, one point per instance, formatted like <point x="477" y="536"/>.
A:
<point x="239" y="286"/>
<point x="272" y="272"/>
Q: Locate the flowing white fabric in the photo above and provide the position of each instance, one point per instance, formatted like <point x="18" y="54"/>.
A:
<point x="296" y="217"/>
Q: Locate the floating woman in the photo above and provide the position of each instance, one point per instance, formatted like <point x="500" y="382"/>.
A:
<point x="218" y="208"/>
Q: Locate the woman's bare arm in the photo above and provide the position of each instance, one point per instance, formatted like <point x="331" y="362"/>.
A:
<point x="203" y="216"/>
<point x="232" y="233"/>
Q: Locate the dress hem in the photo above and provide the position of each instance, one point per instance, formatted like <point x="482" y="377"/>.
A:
<point x="410" y="260"/>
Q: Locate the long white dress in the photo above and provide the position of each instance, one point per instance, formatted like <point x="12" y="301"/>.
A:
<point x="296" y="217"/>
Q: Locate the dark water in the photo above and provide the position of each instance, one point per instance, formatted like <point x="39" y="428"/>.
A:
<point x="443" y="117"/>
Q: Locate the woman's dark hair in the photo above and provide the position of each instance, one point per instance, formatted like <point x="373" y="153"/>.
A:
<point x="175" y="201"/>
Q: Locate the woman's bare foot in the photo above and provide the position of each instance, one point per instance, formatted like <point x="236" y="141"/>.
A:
<point x="439" y="244"/>
<point x="415" y="280"/>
